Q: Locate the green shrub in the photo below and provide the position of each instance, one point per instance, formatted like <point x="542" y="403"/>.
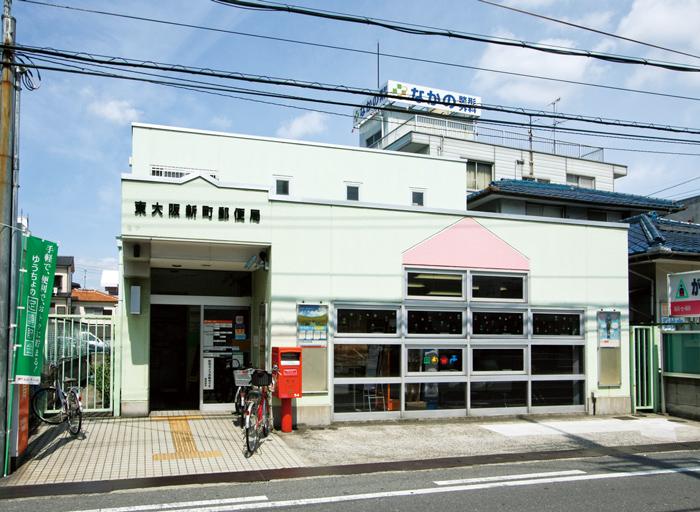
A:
<point x="103" y="371"/>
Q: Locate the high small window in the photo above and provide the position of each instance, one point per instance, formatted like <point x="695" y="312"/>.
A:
<point x="479" y="175"/>
<point x="433" y="285"/>
<point x="544" y="210"/>
<point x="282" y="187"/>
<point x="498" y="323"/>
<point x="417" y="198"/>
<point x="373" y="139"/>
<point x="597" y="215"/>
<point x="580" y="181"/>
<point x="352" y="192"/>
<point x="498" y="287"/>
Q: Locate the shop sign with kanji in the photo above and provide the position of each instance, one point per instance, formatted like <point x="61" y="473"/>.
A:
<point x="684" y="293"/>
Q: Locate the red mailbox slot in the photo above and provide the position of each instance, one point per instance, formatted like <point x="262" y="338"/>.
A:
<point x="288" y="360"/>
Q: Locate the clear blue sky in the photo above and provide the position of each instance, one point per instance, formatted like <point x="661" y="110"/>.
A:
<point x="75" y="138"/>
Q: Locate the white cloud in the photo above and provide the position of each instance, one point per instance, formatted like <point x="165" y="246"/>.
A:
<point x="115" y="111"/>
<point x="528" y="4"/>
<point x="221" y="123"/>
<point x="673" y="24"/>
<point x="311" y="123"/>
<point x="517" y="90"/>
<point x="597" y="19"/>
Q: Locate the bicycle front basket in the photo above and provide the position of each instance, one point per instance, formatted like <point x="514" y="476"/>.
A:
<point x="261" y="378"/>
<point x="241" y="377"/>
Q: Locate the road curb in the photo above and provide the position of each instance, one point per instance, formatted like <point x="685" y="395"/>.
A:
<point x="106" y="486"/>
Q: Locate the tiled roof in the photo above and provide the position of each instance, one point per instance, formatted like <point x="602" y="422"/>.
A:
<point x="82" y="295"/>
<point x="569" y="193"/>
<point x="651" y="234"/>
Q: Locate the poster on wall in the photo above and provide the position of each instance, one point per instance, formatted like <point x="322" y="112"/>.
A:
<point x="608" y="329"/>
<point x="239" y="328"/>
<point x="208" y="373"/>
<point x="216" y="333"/>
<point x="312" y="324"/>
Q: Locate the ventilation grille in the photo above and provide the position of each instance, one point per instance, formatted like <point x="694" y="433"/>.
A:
<point x="168" y="171"/>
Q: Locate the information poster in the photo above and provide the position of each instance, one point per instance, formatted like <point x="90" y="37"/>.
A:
<point x="216" y="333"/>
<point x="208" y="373"/>
<point x="312" y="324"/>
<point x="239" y="328"/>
<point x="608" y="329"/>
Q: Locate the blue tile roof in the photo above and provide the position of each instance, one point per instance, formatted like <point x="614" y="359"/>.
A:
<point x="569" y="193"/>
<point x="651" y="234"/>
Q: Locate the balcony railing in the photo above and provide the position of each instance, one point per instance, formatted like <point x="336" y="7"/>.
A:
<point x="470" y="131"/>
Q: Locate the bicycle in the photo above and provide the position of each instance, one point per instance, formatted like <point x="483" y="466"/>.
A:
<point x="54" y="406"/>
<point x="258" y="419"/>
<point x="242" y="380"/>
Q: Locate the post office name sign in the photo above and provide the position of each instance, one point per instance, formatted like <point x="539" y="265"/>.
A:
<point x="193" y="211"/>
<point x="684" y="294"/>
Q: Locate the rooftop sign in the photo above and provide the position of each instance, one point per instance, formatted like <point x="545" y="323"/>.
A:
<point x="419" y="97"/>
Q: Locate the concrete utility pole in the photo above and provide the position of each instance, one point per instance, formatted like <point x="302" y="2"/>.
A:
<point x="7" y="223"/>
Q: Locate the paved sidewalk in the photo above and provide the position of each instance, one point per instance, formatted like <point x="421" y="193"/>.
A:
<point x="190" y="443"/>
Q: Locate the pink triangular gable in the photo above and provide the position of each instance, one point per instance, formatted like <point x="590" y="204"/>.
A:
<point x="465" y="244"/>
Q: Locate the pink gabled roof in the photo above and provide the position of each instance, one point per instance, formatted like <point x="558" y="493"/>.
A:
<point x="466" y="244"/>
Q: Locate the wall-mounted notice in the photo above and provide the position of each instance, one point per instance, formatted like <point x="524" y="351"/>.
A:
<point x="312" y="324"/>
<point x="208" y="373"/>
<point x="240" y="328"/>
<point x="608" y="329"/>
<point x="216" y="333"/>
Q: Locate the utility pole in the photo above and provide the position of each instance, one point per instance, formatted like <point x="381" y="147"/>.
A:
<point x="7" y="222"/>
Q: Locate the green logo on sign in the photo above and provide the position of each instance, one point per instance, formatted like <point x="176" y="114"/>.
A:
<point x="682" y="292"/>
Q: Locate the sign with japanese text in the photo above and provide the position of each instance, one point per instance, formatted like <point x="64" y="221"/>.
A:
<point x="420" y="97"/>
<point x="34" y="302"/>
<point x="608" y="329"/>
<point x="684" y="294"/>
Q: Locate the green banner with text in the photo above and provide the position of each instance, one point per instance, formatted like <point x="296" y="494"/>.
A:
<point x="34" y="302"/>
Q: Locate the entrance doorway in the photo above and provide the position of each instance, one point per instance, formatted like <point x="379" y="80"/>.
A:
<point x="174" y="362"/>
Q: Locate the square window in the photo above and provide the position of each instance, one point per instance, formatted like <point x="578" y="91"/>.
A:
<point x="282" y="187"/>
<point x="353" y="193"/>
<point x="416" y="198"/>
<point x="479" y="175"/>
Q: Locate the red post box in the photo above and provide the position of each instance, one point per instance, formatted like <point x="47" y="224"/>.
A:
<point x="288" y="361"/>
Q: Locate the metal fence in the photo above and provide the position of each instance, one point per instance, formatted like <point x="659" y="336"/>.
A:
<point x="82" y="348"/>
<point x="644" y="367"/>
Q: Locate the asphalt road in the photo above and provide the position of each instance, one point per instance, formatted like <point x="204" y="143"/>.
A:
<point x="657" y="482"/>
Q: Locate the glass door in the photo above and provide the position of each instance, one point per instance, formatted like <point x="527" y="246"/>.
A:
<point x="225" y="347"/>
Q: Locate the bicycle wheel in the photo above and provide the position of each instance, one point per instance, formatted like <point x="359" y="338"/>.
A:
<point x="252" y="429"/>
<point x="267" y="419"/>
<point x="75" y="412"/>
<point x="47" y="406"/>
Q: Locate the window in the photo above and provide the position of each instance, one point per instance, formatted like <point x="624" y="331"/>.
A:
<point x="544" y="210"/>
<point x="366" y="397"/>
<point x="479" y="175"/>
<point x="352" y="192"/>
<point x="434" y="285"/>
<point x="565" y="392"/>
<point x="440" y="360"/>
<point x="498" y="360"/>
<point x="434" y="322"/>
<point x="556" y="360"/>
<point x="373" y="139"/>
<point x="282" y="187"/>
<point x="367" y="321"/>
<point x="417" y="197"/>
<point x="350" y="361"/>
<point x="597" y="215"/>
<point x="536" y="180"/>
<point x="435" y="395"/>
<point x="502" y="287"/>
<point x="498" y="394"/>
<point x="580" y="181"/>
<point x="502" y="323"/>
<point x="556" y="324"/>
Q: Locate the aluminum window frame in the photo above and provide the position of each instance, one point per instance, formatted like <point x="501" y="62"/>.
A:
<point x="582" y="323"/>
<point x="497" y="309"/>
<point x="368" y="306"/>
<point x="409" y="337"/>
<point x="281" y="177"/>
<point x="485" y="273"/>
<point x="431" y="375"/>
<point x="480" y="373"/>
<point x="427" y="270"/>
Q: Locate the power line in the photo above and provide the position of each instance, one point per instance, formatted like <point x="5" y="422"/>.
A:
<point x="589" y="29"/>
<point x="219" y="90"/>
<point x="366" y="52"/>
<point x="676" y="185"/>
<point x="409" y="29"/>
<point x="335" y="88"/>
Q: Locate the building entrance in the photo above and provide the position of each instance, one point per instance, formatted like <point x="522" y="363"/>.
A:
<point x="174" y="362"/>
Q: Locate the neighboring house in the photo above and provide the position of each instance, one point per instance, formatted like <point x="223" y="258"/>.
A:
<point x="93" y="302"/>
<point x="691" y="212"/>
<point x="521" y="197"/>
<point x="62" y="285"/>
<point x="110" y="282"/>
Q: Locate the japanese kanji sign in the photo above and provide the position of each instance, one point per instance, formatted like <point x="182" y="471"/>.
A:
<point x="34" y="302"/>
<point x="684" y="294"/>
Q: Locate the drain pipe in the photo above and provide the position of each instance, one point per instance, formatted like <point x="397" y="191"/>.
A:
<point x="593" y="400"/>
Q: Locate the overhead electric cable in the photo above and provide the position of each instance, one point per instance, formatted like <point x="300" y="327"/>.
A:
<point x="205" y="86"/>
<point x="589" y="29"/>
<point x="372" y="53"/>
<point x="674" y="186"/>
<point x="409" y="29"/>
<point x="335" y="88"/>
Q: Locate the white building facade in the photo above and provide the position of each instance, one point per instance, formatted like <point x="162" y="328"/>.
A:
<point x="230" y="243"/>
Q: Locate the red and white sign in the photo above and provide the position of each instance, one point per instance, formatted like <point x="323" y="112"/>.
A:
<point x="684" y="293"/>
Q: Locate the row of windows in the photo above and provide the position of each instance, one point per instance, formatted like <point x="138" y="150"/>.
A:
<point x="352" y="192"/>
<point x="436" y="322"/>
<point x="373" y="360"/>
<point x="443" y="285"/>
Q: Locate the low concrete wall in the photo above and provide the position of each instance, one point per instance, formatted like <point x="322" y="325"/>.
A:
<point x="682" y="397"/>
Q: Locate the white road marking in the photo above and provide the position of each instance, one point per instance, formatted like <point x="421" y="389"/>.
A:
<point x="508" y="477"/>
<point x="182" y="504"/>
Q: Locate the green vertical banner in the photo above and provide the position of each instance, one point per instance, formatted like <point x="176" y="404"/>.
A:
<point x="34" y="303"/>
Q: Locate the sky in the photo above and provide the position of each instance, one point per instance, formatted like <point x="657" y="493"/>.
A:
<point x="75" y="138"/>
